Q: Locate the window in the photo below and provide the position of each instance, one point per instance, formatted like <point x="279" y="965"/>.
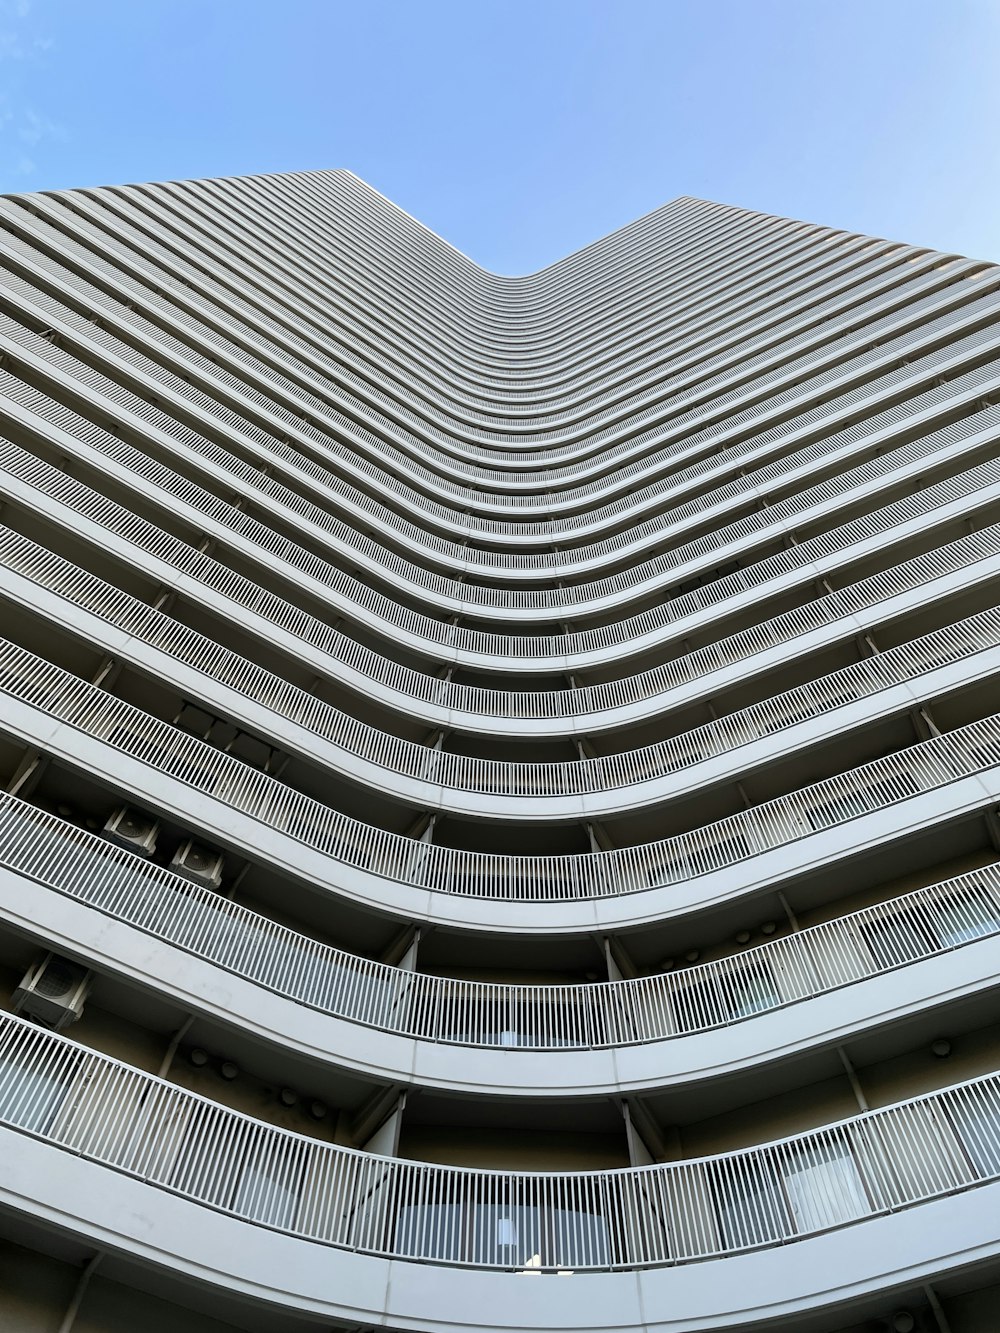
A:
<point x="896" y="938"/>
<point x="874" y="793"/>
<point x="505" y="1235"/>
<point x="697" y="1003"/>
<point x="750" y="989"/>
<point x="430" y="1231"/>
<point x="976" y="1115"/>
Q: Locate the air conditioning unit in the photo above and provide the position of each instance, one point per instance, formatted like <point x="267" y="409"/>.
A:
<point x="134" y="829"/>
<point x="53" y="991"/>
<point x="199" y="863"/>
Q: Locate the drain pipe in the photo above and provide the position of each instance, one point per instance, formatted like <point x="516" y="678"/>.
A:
<point x="935" y="1304"/>
<point x="73" y="1309"/>
<point x="171" y="1051"/>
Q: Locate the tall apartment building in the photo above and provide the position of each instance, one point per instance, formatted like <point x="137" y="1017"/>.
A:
<point x="500" y="775"/>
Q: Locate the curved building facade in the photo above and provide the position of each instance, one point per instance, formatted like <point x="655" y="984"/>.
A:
<point x="500" y="776"/>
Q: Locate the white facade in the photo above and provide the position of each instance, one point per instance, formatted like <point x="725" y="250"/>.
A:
<point x="500" y="776"/>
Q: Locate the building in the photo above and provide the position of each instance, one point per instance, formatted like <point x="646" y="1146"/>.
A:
<point x="501" y="774"/>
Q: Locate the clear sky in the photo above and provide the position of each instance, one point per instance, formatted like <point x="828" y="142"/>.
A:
<point x="522" y="129"/>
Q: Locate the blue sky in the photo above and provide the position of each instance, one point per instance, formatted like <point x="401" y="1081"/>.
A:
<point x="522" y="129"/>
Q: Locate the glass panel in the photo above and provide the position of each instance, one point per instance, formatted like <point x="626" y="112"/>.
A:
<point x="824" y="1186"/>
<point x="750" y="990"/>
<point x="697" y="1004"/>
<point x="750" y="1205"/>
<point x="883" y="791"/>
<point x="30" y="1096"/>
<point x="835" y="809"/>
<point x="527" y="1238"/>
<point x="976" y="1116"/>
<point x="966" y="916"/>
<point x="266" y="1194"/>
<point x="506" y="1235"/>
<point x="895" y="938"/>
<point x="432" y="1230"/>
<point x="578" y="1239"/>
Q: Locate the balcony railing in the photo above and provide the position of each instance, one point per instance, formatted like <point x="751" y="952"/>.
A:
<point x="732" y="245"/>
<point x="279" y="385"/>
<point x="296" y="364"/>
<point x="459" y="306"/>
<point x="163" y="381"/>
<point x="760" y="316"/>
<point x="381" y="243"/>
<point x="734" y="538"/>
<point x="873" y="1164"/>
<point x="378" y="611"/>
<point x="716" y="281"/>
<point x="673" y="287"/>
<point x="875" y="284"/>
<point x="875" y="786"/>
<point x="786" y="970"/>
<point x="461" y="773"/>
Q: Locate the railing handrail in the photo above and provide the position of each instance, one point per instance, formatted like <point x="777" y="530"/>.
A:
<point x="922" y="767"/>
<point x="746" y="304"/>
<point x="464" y="773"/>
<point x="725" y="243"/>
<point x="121" y="238"/>
<point x="106" y="1111"/>
<point x="379" y="379"/>
<point x="264" y="374"/>
<point x="468" y="525"/>
<point x="687" y="556"/>
<point x="240" y="344"/>
<point x="591" y="1016"/>
<point x="427" y="634"/>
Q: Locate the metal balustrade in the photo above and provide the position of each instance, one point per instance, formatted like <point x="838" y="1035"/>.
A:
<point x="152" y="335"/>
<point x="907" y="662"/>
<point x="434" y="636"/>
<point x="392" y="402"/>
<point x="653" y="292"/>
<point x="236" y="283"/>
<point x="704" y="245"/>
<point x="394" y="243"/>
<point x="786" y="970"/>
<point x="329" y="487"/>
<point x="382" y="243"/>
<point x="973" y="434"/>
<point x="150" y="243"/>
<point x="932" y="764"/>
<point x="435" y="301"/>
<point x="264" y="373"/>
<point x="870" y="1165"/>
<point x="589" y="702"/>
<point x="50" y="204"/>
<point x="364" y="396"/>
<point x="293" y="422"/>
<point x="177" y="217"/>
<point x="322" y="274"/>
<point x="734" y="539"/>
<point x="320" y="407"/>
<point x="384" y="231"/>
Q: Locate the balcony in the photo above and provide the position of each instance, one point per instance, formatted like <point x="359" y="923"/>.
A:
<point x="932" y="782"/>
<point x="775" y="731"/>
<point x="412" y="1026"/>
<point x="371" y="488"/>
<point x="727" y="511"/>
<point x="171" y="1152"/>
